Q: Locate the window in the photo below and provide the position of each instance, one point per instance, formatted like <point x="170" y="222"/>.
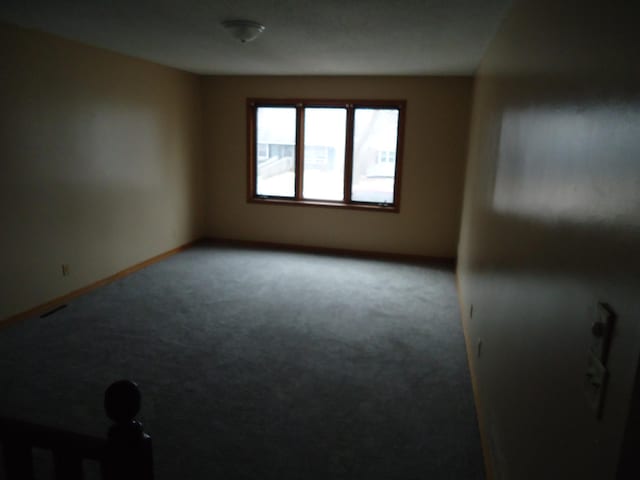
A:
<point x="330" y="153"/>
<point x="386" y="156"/>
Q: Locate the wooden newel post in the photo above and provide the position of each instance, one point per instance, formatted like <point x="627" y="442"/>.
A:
<point x="129" y="454"/>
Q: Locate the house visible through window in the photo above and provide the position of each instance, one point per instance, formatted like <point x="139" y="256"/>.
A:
<point x="334" y="153"/>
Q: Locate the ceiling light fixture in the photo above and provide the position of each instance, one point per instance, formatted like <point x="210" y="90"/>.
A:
<point x="243" y="30"/>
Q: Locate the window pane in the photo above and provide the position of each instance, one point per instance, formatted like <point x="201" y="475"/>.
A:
<point x="275" y="148"/>
<point x="374" y="155"/>
<point x="324" y="144"/>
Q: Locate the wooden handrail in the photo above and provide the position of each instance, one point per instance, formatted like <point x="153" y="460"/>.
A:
<point x="49" y="438"/>
<point x="125" y="454"/>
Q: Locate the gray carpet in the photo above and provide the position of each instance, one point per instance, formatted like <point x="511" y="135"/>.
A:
<point x="257" y="364"/>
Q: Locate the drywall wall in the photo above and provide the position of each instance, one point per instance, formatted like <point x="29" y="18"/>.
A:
<point x="551" y="226"/>
<point x="437" y="117"/>
<point x="99" y="164"/>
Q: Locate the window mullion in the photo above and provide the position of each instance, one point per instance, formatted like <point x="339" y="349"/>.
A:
<point x="299" y="149"/>
<point x="348" y="155"/>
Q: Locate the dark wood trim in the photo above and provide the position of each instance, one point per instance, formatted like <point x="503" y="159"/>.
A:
<point x="441" y="262"/>
<point x="484" y="438"/>
<point x="324" y="203"/>
<point x="49" y="438"/>
<point x="299" y="151"/>
<point x="300" y="105"/>
<point x="324" y="102"/>
<point x="56" y="302"/>
<point x="251" y="149"/>
<point x="348" y="154"/>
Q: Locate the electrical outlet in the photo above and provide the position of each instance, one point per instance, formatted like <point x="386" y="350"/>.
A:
<point x="65" y="270"/>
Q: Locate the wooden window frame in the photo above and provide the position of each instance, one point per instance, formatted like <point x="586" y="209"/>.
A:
<point x="300" y="104"/>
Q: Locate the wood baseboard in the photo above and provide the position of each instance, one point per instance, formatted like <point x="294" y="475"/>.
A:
<point x="57" y="302"/>
<point x="398" y="257"/>
<point x="484" y="438"/>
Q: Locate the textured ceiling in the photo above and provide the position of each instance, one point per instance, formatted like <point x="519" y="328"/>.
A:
<point x="342" y="37"/>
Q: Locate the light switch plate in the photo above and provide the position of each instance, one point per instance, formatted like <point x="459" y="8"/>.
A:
<point x="595" y="383"/>
<point x="602" y="330"/>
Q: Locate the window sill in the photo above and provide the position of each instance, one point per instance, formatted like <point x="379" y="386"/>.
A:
<point x="326" y="203"/>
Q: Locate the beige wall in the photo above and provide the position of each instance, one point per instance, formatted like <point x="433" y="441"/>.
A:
<point x="435" y="147"/>
<point x="551" y="225"/>
<point x="99" y="161"/>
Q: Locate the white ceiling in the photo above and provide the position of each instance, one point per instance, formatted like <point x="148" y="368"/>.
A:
<point x="342" y="37"/>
